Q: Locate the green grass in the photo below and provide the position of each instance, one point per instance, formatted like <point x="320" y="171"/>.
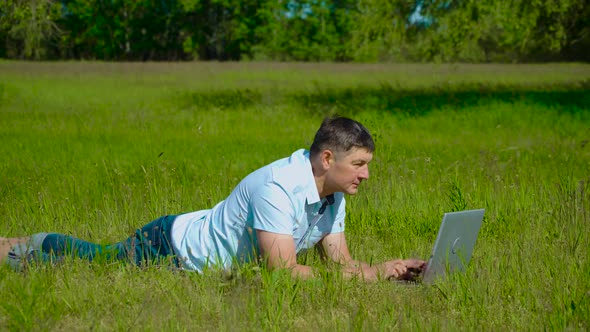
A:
<point x="98" y="149"/>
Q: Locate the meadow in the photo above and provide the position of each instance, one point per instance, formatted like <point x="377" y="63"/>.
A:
<point x="97" y="149"/>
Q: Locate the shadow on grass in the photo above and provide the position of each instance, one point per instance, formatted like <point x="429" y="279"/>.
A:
<point x="565" y="97"/>
<point x="223" y="99"/>
<point x="571" y="98"/>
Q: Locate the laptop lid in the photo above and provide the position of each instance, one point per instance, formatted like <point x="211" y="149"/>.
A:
<point x="454" y="243"/>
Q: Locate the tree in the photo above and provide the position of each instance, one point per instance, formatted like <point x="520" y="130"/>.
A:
<point x="471" y="30"/>
<point x="29" y="25"/>
<point x="302" y="30"/>
<point x="486" y="30"/>
<point x="221" y="29"/>
<point x="305" y="30"/>
<point x="123" y="29"/>
<point x="380" y="30"/>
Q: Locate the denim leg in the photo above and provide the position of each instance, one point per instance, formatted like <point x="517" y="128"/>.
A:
<point x="152" y="243"/>
<point x="59" y="245"/>
<point x="149" y="244"/>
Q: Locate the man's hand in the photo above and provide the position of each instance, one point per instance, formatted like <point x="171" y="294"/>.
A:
<point x="404" y="269"/>
<point x="334" y="247"/>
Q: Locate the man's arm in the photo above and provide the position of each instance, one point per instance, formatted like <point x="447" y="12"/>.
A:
<point x="333" y="246"/>
<point x="278" y="250"/>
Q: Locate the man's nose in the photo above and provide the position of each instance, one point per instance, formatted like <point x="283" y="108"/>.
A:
<point x="364" y="174"/>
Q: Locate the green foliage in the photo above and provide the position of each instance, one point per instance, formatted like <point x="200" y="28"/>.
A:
<point x="30" y="24"/>
<point x="305" y="30"/>
<point x="470" y="31"/>
<point x="493" y="31"/>
<point x="123" y="30"/>
<point x="222" y="30"/>
<point x="381" y="29"/>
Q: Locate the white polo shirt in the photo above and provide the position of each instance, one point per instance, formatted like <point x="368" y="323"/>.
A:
<point x="281" y="197"/>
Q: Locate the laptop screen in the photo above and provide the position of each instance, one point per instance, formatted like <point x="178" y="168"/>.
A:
<point x="454" y="243"/>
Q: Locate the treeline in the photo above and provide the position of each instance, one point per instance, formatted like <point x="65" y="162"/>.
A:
<point x="312" y="30"/>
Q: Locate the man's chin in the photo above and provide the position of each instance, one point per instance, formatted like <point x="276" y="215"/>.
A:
<point x="352" y="191"/>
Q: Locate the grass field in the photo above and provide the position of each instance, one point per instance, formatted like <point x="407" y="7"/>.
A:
<point x="98" y="149"/>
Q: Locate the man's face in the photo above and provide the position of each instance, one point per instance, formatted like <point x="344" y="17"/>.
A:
<point x="348" y="169"/>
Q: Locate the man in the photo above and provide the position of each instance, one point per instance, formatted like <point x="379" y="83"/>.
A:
<point x="275" y="213"/>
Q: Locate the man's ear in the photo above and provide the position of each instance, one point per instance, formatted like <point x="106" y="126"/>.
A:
<point x="327" y="158"/>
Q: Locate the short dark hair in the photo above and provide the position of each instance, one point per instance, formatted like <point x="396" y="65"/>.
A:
<point x="341" y="134"/>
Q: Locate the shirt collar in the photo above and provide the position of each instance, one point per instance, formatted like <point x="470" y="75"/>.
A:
<point x="312" y="194"/>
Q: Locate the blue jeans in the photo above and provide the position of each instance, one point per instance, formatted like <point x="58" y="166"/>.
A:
<point x="148" y="245"/>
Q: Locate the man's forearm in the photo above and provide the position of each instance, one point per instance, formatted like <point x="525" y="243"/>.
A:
<point x="364" y="271"/>
<point x="303" y="271"/>
<point x="355" y="269"/>
<point x="352" y="270"/>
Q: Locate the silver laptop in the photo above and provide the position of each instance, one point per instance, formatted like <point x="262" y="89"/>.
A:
<point x="454" y="244"/>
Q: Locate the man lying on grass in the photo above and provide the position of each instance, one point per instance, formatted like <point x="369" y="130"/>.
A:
<point x="274" y="213"/>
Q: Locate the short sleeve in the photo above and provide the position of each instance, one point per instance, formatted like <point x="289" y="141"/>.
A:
<point x="272" y="210"/>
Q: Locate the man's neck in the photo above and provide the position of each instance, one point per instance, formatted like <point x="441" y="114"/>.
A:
<point x="319" y="175"/>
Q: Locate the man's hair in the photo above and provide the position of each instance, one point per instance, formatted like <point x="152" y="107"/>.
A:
<point x="340" y="134"/>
